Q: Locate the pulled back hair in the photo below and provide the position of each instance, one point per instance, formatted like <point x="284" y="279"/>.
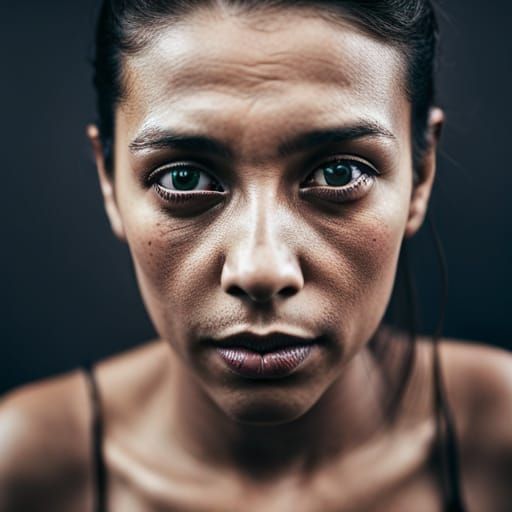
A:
<point x="126" y="27"/>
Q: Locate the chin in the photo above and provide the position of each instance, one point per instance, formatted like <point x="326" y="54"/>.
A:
<point x="266" y="415"/>
<point x="270" y="407"/>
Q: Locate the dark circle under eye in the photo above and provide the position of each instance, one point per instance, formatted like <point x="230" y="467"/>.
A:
<point x="337" y="174"/>
<point x="185" y="179"/>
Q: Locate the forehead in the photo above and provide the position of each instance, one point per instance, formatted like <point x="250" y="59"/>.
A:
<point x="237" y="73"/>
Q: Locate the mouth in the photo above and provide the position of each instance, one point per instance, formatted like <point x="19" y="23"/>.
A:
<point x="272" y="356"/>
<point x="263" y="344"/>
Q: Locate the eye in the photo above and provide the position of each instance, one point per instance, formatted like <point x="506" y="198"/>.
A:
<point x="341" y="179"/>
<point x="185" y="178"/>
<point x="339" y="173"/>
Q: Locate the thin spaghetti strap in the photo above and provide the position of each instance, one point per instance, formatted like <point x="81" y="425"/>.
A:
<point x="446" y="436"/>
<point x="447" y="444"/>
<point x="452" y="469"/>
<point x="98" y="462"/>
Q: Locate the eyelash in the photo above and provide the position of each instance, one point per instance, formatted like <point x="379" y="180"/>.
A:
<point x="353" y="190"/>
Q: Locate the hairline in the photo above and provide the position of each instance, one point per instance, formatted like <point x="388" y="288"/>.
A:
<point x="325" y="12"/>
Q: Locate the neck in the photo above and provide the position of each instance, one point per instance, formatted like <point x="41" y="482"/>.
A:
<point x="348" y="414"/>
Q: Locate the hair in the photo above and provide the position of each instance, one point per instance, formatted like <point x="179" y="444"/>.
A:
<point x="125" y="27"/>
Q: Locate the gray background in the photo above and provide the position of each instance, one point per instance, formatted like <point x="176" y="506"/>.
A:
<point x="68" y="291"/>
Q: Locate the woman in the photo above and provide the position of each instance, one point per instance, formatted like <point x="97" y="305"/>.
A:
<point x="266" y="163"/>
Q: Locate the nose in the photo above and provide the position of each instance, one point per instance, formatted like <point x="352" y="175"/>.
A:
<point x="259" y="264"/>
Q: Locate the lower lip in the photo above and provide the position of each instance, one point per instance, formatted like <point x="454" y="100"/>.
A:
<point x="253" y="365"/>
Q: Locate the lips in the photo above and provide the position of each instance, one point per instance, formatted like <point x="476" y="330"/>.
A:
<point x="259" y="357"/>
<point x="263" y="344"/>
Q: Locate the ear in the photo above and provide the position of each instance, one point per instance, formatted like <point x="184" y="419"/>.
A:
<point x="106" y="183"/>
<point x="424" y="175"/>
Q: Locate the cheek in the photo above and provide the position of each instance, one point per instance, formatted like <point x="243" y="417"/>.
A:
<point x="177" y="265"/>
<point x="354" y="267"/>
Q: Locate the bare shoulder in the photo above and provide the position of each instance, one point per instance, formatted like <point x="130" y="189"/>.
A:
<point x="44" y="451"/>
<point x="478" y="381"/>
<point x="45" y="430"/>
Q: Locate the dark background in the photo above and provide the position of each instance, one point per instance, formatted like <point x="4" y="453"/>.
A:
<point x="68" y="290"/>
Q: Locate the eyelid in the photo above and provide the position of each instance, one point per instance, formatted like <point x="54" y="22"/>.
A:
<point x="347" y="157"/>
<point x="155" y="173"/>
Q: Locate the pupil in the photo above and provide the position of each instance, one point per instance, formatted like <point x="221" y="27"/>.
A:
<point x="338" y="175"/>
<point x="185" y="179"/>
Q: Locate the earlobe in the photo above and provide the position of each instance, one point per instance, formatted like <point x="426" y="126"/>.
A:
<point x="422" y="186"/>
<point x="106" y="184"/>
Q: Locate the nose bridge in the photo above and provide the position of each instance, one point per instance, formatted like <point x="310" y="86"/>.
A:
<point x="264" y="224"/>
<point x="260" y="261"/>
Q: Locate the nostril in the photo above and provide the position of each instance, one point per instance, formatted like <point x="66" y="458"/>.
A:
<point x="236" y="291"/>
<point x="288" y="291"/>
<point x="260" y="294"/>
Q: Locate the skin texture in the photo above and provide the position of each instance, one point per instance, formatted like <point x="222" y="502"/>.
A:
<point x="266" y="249"/>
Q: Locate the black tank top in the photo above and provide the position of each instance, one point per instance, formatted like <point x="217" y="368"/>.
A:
<point x="446" y="443"/>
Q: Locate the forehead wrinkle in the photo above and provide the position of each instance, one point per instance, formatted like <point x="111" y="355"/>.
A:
<point x="202" y="53"/>
<point x="267" y="81"/>
<point x="241" y="78"/>
<point x="278" y="66"/>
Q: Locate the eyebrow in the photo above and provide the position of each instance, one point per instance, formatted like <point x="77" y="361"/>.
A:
<point x="323" y="137"/>
<point x="157" y="138"/>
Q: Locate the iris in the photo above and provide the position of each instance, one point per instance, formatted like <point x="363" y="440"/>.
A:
<point x="185" y="179"/>
<point x="338" y="175"/>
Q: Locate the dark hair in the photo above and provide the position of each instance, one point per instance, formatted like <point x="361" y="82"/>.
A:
<point x="126" y="26"/>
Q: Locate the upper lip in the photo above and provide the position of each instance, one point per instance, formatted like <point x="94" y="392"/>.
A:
<point x="263" y="343"/>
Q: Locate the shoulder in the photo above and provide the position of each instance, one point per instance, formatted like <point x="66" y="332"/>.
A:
<point x="44" y="444"/>
<point x="478" y="382"/>
<point x="45" y="429"/>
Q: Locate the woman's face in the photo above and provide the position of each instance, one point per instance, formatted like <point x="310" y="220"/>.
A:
<point x="263" y="183"/>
